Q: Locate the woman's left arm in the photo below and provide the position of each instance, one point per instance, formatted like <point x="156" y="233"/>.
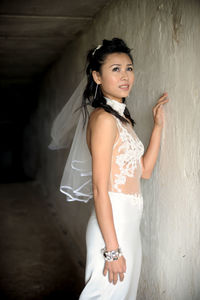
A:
<point x="148" y="160"/>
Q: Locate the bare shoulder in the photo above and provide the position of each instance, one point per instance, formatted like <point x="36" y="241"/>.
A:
<point x="101" y="124"/>
<point x="100" y="117"/>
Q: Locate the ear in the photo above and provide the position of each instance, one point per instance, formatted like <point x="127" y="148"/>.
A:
<point x="96" y="76"/>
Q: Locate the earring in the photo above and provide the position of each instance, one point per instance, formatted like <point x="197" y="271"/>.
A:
<point x="96" y="91"/>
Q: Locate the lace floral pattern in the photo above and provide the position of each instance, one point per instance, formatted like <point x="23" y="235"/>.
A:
<point x="130" y="152"/>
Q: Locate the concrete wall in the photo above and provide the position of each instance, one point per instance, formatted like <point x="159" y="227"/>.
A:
<point x="165" y="39"/>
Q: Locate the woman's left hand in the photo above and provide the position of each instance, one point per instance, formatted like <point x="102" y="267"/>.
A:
<point x="158" y="113"/>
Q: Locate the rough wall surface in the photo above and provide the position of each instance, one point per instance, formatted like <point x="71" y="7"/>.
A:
<point x="165" y="37"/>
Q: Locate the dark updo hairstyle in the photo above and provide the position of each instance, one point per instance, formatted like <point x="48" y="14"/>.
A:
<point x="95" y="59"/>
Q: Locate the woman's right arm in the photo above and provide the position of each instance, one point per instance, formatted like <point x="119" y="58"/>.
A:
<point x="102" y="138"/>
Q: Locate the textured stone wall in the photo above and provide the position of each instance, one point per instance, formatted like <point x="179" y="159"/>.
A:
<point x="165" y="37"/>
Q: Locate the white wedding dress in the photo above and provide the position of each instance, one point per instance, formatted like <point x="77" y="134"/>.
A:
<point x="127" y="206"/>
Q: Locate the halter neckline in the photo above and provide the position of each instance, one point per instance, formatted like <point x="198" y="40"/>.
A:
<point x="118" y="106"/>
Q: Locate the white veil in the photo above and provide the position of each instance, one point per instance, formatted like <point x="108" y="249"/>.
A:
<point x="76" y="181"/>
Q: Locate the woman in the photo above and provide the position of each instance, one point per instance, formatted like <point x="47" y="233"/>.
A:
<point x="118" y="162"/>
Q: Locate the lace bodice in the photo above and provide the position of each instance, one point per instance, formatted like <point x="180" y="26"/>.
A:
<point x="126" y="168"/>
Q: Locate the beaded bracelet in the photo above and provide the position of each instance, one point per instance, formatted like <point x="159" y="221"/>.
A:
<point x="111" y="255"/>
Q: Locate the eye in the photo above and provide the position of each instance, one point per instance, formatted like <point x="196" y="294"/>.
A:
<point x="130" y="69"/>
<point x="115" y="69"/>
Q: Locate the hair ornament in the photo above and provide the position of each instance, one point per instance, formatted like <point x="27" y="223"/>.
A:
<point x="98" y="47"/>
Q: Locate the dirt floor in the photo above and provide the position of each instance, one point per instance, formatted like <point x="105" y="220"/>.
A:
<point x="34" y="262"/>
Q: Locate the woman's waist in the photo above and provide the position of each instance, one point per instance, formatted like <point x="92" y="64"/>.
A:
<point x="130" y="187"/>
<point x="126" y="207"/>
<point x="136" y="195"/>
<point x="123" y="201"/>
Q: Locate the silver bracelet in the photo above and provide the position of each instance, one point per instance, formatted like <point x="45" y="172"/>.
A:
<point x="111" y="255"/>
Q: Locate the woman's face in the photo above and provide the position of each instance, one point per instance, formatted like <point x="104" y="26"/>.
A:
<point x="116" y="77"/>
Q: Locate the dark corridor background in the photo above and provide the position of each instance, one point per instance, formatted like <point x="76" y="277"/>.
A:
<point x="34" y="261"/>
<point x="17" y="105"/>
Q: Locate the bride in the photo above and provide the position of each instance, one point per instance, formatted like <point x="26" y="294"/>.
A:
<point x="110" y="173"/>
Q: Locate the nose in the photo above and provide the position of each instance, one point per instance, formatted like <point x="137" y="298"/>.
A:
<point x="124" y="75"/>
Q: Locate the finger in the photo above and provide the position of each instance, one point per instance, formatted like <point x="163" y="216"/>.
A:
<point x="110" y="276"/>
<point x="164" y="96"/>
<point x="105" y="270"/>
<point x="160" y="103"/>
<point x="165" y="100"/>
<point x="161" y="99"/>
<point x="115" y="278"/>
<point x="121" y="276"/>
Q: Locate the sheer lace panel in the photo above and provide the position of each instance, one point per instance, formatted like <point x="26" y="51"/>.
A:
<point x="126" y="168"/>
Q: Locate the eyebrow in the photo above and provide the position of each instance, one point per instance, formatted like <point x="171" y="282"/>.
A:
<point x="120" y="65"/>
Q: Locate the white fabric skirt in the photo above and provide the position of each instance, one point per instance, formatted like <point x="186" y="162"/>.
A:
<point x="127" y="212"/>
